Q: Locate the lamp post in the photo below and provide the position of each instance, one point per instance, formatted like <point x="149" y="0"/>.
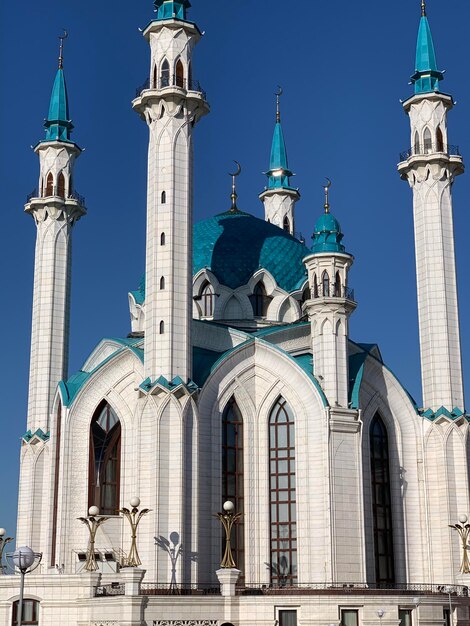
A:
<point x="380" y="614"/>
<point x="134" y="517"/>
<point x="26" y="560"/>
<point x="450" y="590"/>
<point x="3" y="542"/>
<point x="92" y="522"/>
<point x="463" y="528"/>
<point x="228" y="518"/>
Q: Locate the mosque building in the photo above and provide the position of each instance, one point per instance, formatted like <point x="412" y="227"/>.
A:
<point x="238" y="381"/>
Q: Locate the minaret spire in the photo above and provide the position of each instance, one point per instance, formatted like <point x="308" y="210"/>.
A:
<point x="427" y="75"/>
<point x="423" y="8"/>
<point x="61" y="48"/>
<point x="279" y="197"/>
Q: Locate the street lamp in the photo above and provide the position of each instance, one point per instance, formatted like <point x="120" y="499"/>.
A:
<point x="134" y="517"/>
<point x="92" y="522"/>
<point x="26" y="560"/>
<point x="450" y="590"/>
<point x="3" y="542"/>
<point x="463" y="528"/>
<point x="228" y="518"/>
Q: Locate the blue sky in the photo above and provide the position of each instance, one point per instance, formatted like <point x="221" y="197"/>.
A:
<point x="343" y="67"/>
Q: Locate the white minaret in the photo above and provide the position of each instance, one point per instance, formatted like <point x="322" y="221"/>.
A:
<point x="329" y="307"/>
<point x="55" y="208"/>
<point x="171" y="103"/>
<point x="279" y="197"/>
<point x="430" y="167"/>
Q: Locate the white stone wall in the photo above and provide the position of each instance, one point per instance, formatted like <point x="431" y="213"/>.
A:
<point x="278" y="205"/>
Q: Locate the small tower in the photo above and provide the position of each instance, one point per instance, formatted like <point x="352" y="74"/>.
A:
<point x="171" y="103"/>
<point x="430" y="167"/>
<point x="55" y="208"/>
<point x="329" y="307"/>
<point x="279" y="197"/>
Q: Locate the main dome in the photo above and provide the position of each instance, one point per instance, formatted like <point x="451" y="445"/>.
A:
<point x="235" y="245"/>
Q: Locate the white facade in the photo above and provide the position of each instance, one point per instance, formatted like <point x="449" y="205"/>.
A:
<point x="346" y="488"/>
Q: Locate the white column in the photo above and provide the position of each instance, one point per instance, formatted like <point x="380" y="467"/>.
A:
<point x="279" y="205"/>
<point x="430" y="170"/>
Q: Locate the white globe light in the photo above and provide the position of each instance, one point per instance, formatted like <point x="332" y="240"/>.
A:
<point x="23" y="558"/>
<point x="134" y="502"/>
<point x="229" y="506"/>
<point x="2" y="532"/>
<point x="463" y="519"/>
<point x="93" y="511"/>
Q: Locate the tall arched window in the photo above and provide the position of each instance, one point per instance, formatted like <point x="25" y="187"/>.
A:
<point x="325" y="281"/>
<point x="232" y="472"/>
<point x="416" y="143"/>
<point x="154" y="77"/>
<point x="105" y="460"/>
<point x="30" y="614"/>
<point x="165" y="74"/>
<point x="179" y="74"/>
<point x="49" y="185"/>
<point x="427" y="141"/>
<point x="439" y="140"/>
<point x="163" y="197"/>
<point x="162" y="283"/>
<point x="282" y="495"/>
<point x="338" y="289"/>
<point x="162" y="239"/>
<point x="162" y="327"/>
<point x="61" y="185"/>
<point x="208" y="300"/>
<point x="286" y="224"/>
<point x="381" y="502"/>
<point x="315" y="287"/>
<point x="259" y="300"/>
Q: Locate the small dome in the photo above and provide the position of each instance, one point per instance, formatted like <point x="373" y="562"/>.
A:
<point x="327" y="235"/>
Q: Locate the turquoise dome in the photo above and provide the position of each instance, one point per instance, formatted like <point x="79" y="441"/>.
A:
<point x="327" y="235"/>
<point x="234" y="246"/>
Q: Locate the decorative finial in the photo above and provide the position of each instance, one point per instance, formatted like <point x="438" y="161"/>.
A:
<point x="327" y="195"/>
<point x="278" y="95"/>
<point x="234" y="195"/>
<point x="61" y="48"/>
<point x="423" y="8"/>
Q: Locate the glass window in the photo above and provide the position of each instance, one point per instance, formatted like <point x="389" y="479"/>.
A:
<point x="105" y="460"/>
<point x="381" y="502"/>
<point x="61" y="185"/>
<point x="208" y="300"/>
<point x="287" y="618"/>
<point x="260" y="300"/>
<point x="30" y="615"/>
<point x="416" y="143"/>
<point x="232" y="473"/>
<point x="179" y="74"/>
<point x="165" y="74"/>
<point x="286" y="224"/>
<point x="439" y="140"/>
<point x="349" y="617"/>
<point x="49" y="185"/>
<point x="282" y="495"/>
<point x="405" y="617"/>
<point x="427" y="141"/>
<point x="325" y="279"/>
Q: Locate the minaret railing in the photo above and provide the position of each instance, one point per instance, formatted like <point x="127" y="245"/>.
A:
<point x="449" y="150"/>
<point x="176" y="81"/>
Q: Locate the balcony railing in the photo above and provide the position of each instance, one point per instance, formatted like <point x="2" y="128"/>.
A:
<point x="430" y="149"/>
<point x="351" y="589"/>
<point x="196" y="589"/>
<point x="163" y="82"/>
<point x="72" y="196"/>
<point x="332" y="291"/>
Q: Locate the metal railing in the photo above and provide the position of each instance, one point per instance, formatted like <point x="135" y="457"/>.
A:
<point x="193" y="589"/>
<point x="114" y="589"/>
<point x="332" y="291"/>
<point x="429" y="149"/>
<point x="164" y="82"/>
<point x="78" y="197"/>
<point x="72" y="196"/>
<point x="352" y="589"/>
<point x="33" y="194"/>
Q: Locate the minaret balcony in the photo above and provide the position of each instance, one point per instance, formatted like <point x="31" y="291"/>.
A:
<point x="333" y="291"/>
<point x="74" y="197"/>
<point x="430" y="151"/>
<point x="164" y="84"/>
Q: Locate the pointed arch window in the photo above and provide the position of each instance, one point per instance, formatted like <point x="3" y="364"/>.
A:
<point x="315" y="287"/>
<point x="49" y="185"/>
<point x="162" y="239"/>
<point x="162" y="283"/>
<point x="416" y="147"/>
<point x="232" y="473"/>
<point x="165" y="74"/>
<point x="306" y="295"/>
<point x="325" y="281"/>
<point x="427" y="141"/>
<point x="381" y="502"/>
<point x="260" y="300"/>
<point x="283" y="509"/>
<point x="105" y="460"/>
<point x="286" y="224"/>
<point x="61" y="185"/>
<point x="208" y="300"/>
<point x="439" y="140"/>
<point x="338" y="289"/>
<point x="162" y="327"/>
<point x="163" y="197"/>
<point x="154" y="78"/>
<point x="179" y="74"/>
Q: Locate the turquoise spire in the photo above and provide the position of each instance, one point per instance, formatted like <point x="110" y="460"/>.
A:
<point x="58" y="124"/>
<point x="427" y="75"/>
<point x="327" y="233"/>
<point x="170" y="9"/>
<point x="278" y="172"/>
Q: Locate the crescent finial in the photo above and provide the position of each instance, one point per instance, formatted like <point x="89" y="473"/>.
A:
<point x="239" y="170"/>
<point x="61" y="48"/>
<point x="327" y="195"/>
<point x="278" y="95"/>
<point x="234" y="194"/>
